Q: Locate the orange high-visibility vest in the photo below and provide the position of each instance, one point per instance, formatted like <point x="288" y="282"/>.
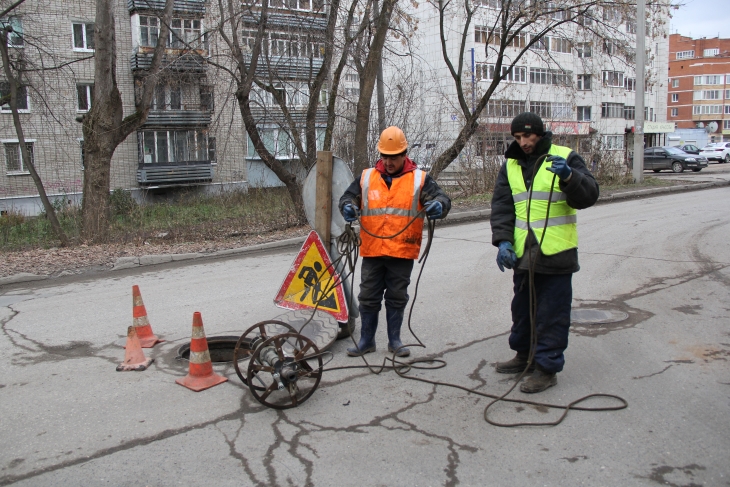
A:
<point x="385" y="212"/>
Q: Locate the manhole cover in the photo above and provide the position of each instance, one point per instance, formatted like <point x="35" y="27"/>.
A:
<point x="592" y="316"/>
<point x="220" y="348"/>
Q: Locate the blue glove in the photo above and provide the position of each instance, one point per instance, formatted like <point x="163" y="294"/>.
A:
<point x="434" y="209"/>
<point x="559" y="167"/>
<point x="506" y="256"/>
<point x="350" y="213"/>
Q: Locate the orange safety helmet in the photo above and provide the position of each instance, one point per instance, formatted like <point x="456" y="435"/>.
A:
<point x="392" y="141"/>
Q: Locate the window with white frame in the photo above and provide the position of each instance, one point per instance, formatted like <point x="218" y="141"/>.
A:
<point x="612" y="110"/>
<point x="278" y="142"/>
<point x="14" y="162"/>
<point x="15" y="37"/>
<point x="559" y="44"/>
<point x="543" y="76"/>
<point x="707" y="95"/>
<point x="168" y="96"/>
<point x="186" y="34"/>
<point x="727" y="109"/>
<point x="505" y="108"/>
<point x="630" y="84"/>
<point x="518" y="74"/>
<point x="558" y="13"/>
<point x="727" y="94"/>
<point x="685" y="54"/>
<point x="84" y="96"/>
<point x="541" y="44"/>
<point x="172" y="146"/>
<point x="22" y="100"/>
<point x="726" y="124"/>
<point x="561" y="111"/>
<point x="584" y="114"/>
<point x="585" y="19"/>
<point x="727" y="79"/>
<point x="629" y="112"/>
<point x="675" y="83"/>
<point x="675" y="97"/>
<point x="711" y="79"/>
<point x="584" y="49"/>
<point x="631" y="26"/>
<point x="610" y="47"/>
<point x="584" y="82"/>
<point x="83" y="36"/>
<point x="613" y="142"/>
<point x="711" y="52"/>
<point x="674" y="112"/>
<point x="649" y="114"/>
<point x="541" y="108"/>
<point x="613" y="78"/>
<point x="149" y="30"/>
<point x="481" y="34"/>
<point x="706" y="109"/>
<point x="352" y="77"/>
<point x="611" y="15"/>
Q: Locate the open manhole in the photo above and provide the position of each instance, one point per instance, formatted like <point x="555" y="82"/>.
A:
<point x="220" y="348"/>
<point x="593" y="316"/>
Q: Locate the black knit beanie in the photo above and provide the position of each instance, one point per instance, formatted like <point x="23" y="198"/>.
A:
<point x="528" y="122"/>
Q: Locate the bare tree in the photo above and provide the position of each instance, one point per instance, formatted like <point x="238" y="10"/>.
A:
<point x="105" y="126"/>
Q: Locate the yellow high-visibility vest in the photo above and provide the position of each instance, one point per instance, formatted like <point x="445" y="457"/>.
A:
<point x="561" y="232"/>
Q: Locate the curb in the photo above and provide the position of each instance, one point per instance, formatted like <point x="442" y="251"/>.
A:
<point x="461" y="216"/>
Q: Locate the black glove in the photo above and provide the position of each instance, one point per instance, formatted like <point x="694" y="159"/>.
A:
<point x="350" y="213"/>
<point x="434" y="209"/>
<point x="506" y="256"/>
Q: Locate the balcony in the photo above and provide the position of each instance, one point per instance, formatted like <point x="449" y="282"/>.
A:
<point x="188" y="62"/>
<point x="178" y="173"/>
<point x="178" y="118"/>
<point x="187" y="6"/>
<point x="284" y="67"/>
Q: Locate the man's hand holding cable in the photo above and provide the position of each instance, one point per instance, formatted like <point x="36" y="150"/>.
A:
<point x="506" y="256"/>
<point x="434" y="210"/>
<point x="350" y="213"/>
<point x="560" y="167"/>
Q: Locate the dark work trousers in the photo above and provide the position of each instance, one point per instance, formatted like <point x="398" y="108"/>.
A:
<point x="554" y="296"/>
<point x="384" y="274"/>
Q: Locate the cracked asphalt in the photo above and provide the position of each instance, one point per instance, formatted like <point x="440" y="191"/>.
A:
<point x="68" y="418"/>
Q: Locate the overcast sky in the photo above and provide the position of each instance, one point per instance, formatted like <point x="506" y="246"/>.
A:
<point x="701" y="18"/>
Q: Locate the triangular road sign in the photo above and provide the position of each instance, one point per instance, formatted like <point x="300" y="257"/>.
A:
<point x="312" y="282"/>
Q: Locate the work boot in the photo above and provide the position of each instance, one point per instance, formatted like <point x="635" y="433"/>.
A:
<point x="394" y="317"/>
<point x="516" y="365"/>
<point x="369" y="324"/>
<point x="538" y="381"/>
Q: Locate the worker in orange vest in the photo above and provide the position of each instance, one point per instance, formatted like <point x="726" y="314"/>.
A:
<point x="386" y="198"/>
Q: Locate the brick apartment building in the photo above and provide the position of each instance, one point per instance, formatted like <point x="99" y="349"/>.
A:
<point x="699" y="85"/>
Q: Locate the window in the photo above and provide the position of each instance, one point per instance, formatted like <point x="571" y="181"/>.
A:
<point x="675" y="83"/>
<point x="685" y="54"/>
<point x="83" y="37"/>
<point x="542" y="76"/>
<point x="84" y="97"/>
<point x="480" y="34"/>
<point x="540" y="44"/>
<point x="706" y="109"/>
<point x="711" y="52"/>
<point x="649" y="114"/>
<point x="612" y="110"/>
<point x="167" y="97"/>
<point x="584" y="114"/>
<point x="558" y="44"/>
<point x="613" y="142"/>
<point x="610" y="47"/>
<point x="173" y="146"/>
<point x="585" y="19"/>
<point x="726" y="124"/>
<point x="352" y="77"/>
<point x="22" y="98"/>
<point x="630" y="84"/>
<point x="583" y="49"/>
<point x="518" y="74"/>
<point x="494" y="37"/>
<point x="559" y="12"/>
<point x="505" y="108"/>
<point x="541" y="108"/>
<point x="707" y="95"/>
<point x="674" y="112"/>
<point x="713" y="79"/>
<point x="631" y="26"/>
<point x="727" y="109"/>
<point x="14" y="163"/>
<point x="207" y="101"/>
<point x="562" y="111"/>
<point x="675" y="97"/>
<point x="15" y="37"/>
<point x="352" y="92"/>
<point x="611" y="15"/>
<point x="613" y="78"/>
<point x="584" y="82"/>
<point x="149" y="30"/>
<point x="629" y="112"/>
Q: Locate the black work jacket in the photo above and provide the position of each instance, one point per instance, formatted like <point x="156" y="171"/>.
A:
<point x="580" y="192"/>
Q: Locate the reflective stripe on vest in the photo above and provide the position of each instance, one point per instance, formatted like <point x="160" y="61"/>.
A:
<point x="561" y="232"/>
<point x="386" y="211"/>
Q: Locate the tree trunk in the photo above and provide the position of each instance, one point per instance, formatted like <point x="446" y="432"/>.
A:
<point x="25" y="154"/>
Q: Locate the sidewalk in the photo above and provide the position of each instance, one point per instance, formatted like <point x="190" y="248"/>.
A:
<point x="455" y="216"/>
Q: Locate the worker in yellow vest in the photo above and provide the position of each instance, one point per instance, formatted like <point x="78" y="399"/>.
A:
<point x="386" y="198"/>
<point x="538" y="191"/>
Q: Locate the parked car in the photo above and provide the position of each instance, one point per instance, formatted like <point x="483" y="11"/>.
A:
<point x="719" y="151"/>
<point x="689" y="148"/>
<point x="658" y="158"/>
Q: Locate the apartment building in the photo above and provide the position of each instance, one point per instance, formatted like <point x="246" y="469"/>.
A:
<point x="581" y="83"/>
<point x="699" y="85"/>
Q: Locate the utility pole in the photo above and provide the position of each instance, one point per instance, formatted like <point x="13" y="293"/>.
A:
<point x="638" y="170"/>
<point x="379" y="79"/>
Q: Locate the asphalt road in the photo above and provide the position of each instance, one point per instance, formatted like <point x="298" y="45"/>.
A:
<point x="67" y="418"/>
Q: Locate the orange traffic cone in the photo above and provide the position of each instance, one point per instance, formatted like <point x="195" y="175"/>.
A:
<point x="134" y="358"/>
<point x="144" y="330"/>
<point x="201" y="375"/>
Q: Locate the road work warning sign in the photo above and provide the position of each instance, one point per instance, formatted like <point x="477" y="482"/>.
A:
<point x="312" y="282"/>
